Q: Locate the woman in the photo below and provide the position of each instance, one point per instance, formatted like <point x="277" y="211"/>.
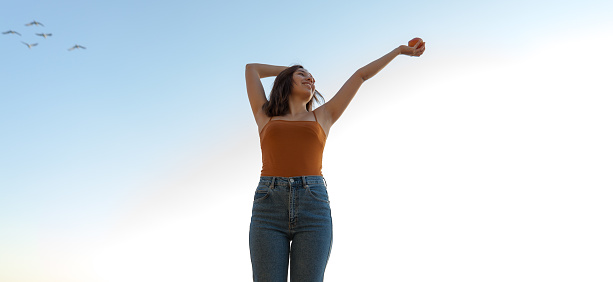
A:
<point x="291" y="217"/>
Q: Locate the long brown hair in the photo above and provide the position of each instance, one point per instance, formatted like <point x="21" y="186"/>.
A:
<point x="278" y="105"/>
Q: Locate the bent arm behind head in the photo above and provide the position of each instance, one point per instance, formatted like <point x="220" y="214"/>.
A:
<point x="255" y="90"/>
<point x="264" y="70"/>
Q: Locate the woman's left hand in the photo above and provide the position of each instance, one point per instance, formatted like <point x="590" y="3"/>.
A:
<point x="413" y="51"/>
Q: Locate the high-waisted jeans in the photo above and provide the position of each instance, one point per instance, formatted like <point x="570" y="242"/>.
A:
<point x="296" y="210"/>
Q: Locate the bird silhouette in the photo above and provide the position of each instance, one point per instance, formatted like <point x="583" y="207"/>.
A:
<point x="76" y="46"/>
<point x="11" y="32"/>
<point x="35" y="23"/>
<point x="29" y="45"/>
<point x="44" y="34"/>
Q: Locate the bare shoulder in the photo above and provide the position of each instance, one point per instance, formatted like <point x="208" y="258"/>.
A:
<point x="324" y="118"/>
<point x="261" y="119"/>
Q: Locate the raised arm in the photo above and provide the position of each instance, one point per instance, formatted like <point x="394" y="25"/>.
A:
<point x="335" y="107"/>
<point x="255" y="90"/>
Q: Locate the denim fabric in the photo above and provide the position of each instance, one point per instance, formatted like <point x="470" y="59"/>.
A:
<point x="291" y="224"/>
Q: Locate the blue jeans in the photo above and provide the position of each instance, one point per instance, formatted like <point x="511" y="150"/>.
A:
<point x="296" y="210"/>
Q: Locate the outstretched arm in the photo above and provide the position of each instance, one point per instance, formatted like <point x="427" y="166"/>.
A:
<point x="335" y="107"/>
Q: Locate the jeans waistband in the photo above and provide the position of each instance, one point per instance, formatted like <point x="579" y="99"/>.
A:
<point x="299" y="180"/>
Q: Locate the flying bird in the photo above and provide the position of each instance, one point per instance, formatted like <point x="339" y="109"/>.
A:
<point x="35" y="23"/>
<point x="11" y="32"/>
<point x="29" y="45"/>
<point x="44" y="34"/>
<point x="76" y="46"/>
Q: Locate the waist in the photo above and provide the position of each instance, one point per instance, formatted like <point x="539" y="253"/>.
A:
<point x="291" y="165"/>
<point x="295" y="180"/>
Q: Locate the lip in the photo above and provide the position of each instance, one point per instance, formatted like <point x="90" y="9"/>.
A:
<point x="308" y="84"/>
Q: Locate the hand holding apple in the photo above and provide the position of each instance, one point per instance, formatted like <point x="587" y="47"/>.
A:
<point x="415" y="48"/>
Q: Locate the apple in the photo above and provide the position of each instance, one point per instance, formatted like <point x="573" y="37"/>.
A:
<point x="416" y="41"/>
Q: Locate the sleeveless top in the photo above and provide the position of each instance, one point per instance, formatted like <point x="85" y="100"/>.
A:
<point x="292" y="148"/>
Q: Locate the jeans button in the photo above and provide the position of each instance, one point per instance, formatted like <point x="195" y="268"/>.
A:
<point x="291" y="180"/>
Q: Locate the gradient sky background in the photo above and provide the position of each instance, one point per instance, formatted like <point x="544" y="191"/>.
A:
<point x="487" y="159"/>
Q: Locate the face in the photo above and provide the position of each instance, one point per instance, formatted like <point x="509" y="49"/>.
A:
<point x="304" y="83"/>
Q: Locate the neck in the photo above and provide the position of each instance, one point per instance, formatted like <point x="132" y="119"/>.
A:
<point x="297" y="107"/>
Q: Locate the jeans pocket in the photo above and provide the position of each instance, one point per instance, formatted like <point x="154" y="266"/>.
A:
<point x="261" y="193"/>
<point x="318" y="192"/>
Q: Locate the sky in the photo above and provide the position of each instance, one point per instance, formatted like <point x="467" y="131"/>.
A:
<point x="136" y="159"/>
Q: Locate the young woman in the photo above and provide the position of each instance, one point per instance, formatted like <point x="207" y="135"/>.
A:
<point x="291" y="219"/>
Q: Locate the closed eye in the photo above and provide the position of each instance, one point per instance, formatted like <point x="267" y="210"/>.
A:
<point x="304" y="74"/>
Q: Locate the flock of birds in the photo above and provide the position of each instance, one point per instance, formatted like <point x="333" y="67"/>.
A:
<point x="44" y="35"/>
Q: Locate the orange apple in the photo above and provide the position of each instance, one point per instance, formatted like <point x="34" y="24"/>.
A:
<point x="416" y="41"/>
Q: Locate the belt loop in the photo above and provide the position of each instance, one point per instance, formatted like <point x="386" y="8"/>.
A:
<point x="325" y="181"/>
<point x="272" y="183"/>
<point x="304" y="183"/>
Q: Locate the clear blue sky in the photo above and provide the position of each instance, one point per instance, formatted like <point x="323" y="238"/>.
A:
<point x="159" y="92"/>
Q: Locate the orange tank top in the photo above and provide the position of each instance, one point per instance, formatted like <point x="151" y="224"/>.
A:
<point x="292" y="148"/>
